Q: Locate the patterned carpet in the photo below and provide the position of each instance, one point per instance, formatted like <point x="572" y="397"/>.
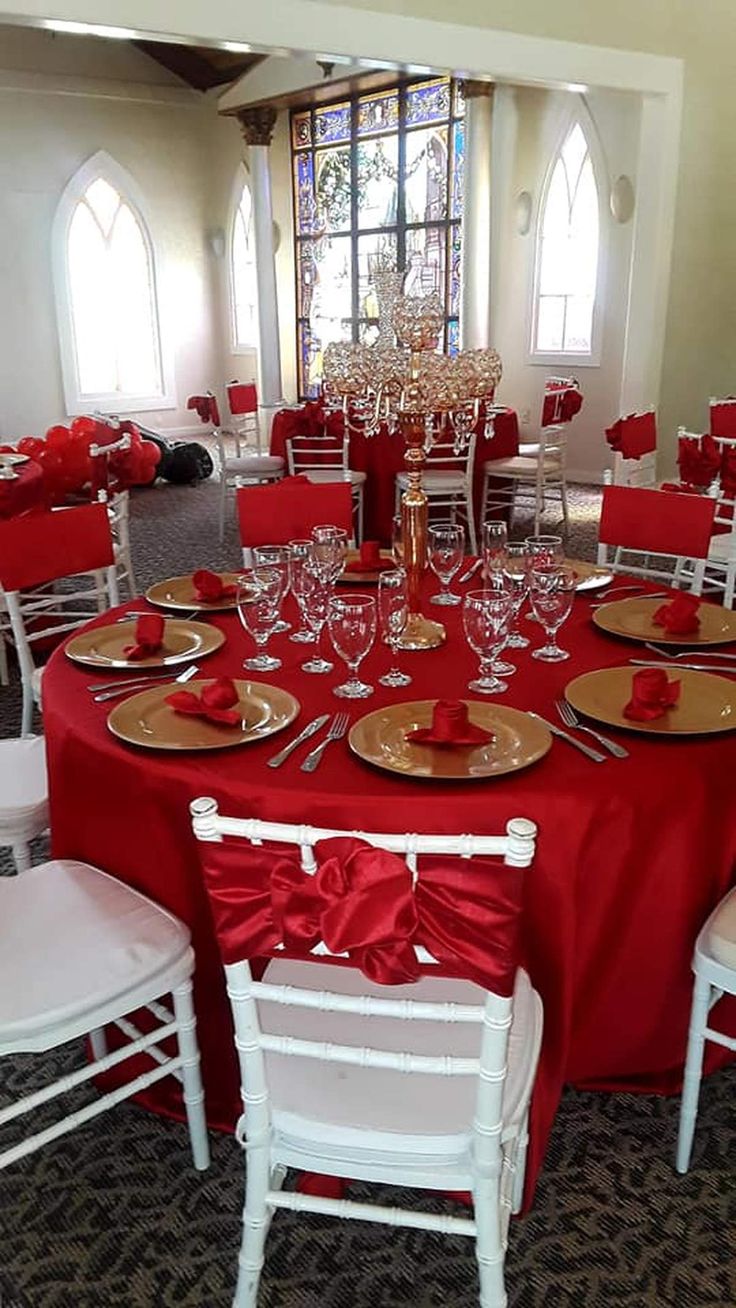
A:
<point x="114" y="1215"/>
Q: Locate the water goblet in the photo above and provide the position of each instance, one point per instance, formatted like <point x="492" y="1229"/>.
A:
<point x="516" y="575"/>
<point x="329" y="550"/>
<point x="486" y="617"/>
<point x="393" y="609"/>
<point x="495" y="537"/>
<point x="276" y="557"/>
<point x="259" y="599"/>
<point x="316" y="595"/>
<point x="300" y="552"/>
<point x="352" y="621"/>
<point x="446" y="552"/>
<point x="544" y="552"/>
<point x="552" y="595"/>
<point x="497" y="582"/>
<point x="397" y="540"/>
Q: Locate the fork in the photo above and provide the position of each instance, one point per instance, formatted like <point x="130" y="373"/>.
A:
<point x="140" y="677"/>
<point x="689" y="653"/>
<point x="592" y="754"/>
<point x="338" y="728"/>
<point x="141" y="685"/>
<point x="570" y="718"/>
<point x="598" y="603"/>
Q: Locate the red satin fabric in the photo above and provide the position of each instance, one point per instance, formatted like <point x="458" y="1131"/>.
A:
<point x="206" y="408"/>
<point x="360" y="902"/>
<point x="723" y="418"/>
<point x="242" y="398"/>
<point x="699" y="459"/>
<point x="450" y="725"/>
<point x="634" y="435"/>
<point x="210" y="587"/>
<point x="369" y="559"/>
<point x="680" y="616"/>
<point x="23" y="493"/>
<point x="41" y="547"/>
<point x="644" y="520"/>
<point x="652" y="695"/>
<point x="214" y="703"/>
<point x="562" y="400"/>
<point x="289" y="509"/>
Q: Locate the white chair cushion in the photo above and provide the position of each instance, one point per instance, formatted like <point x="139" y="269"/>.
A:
<point x="723" y="548"/>
<point x="324" y="476"/>
<point x="254" y="463"/>
<point x="722" y="935"/>
<point x="23" y="785"/>
<point x="519" y="466"/>
<point x="73" y="939"/>
<point x="437" y="483"/>
<point x="334" y="1107"/>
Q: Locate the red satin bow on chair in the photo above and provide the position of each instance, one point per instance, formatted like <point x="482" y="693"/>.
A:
<point x="699" y="460"/>
<point x="361" y="902"/>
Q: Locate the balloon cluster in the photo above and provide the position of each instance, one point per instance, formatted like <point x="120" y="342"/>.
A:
<point x="68" y="467"/>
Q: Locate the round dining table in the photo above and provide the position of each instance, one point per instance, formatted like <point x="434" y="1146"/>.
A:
<point x="23" y="492"/>
<point x="632" y="853"/>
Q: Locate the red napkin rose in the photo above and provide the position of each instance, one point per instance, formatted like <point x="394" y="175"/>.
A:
<point x="651" y="695"/>
<point x="214" y="703"/>
<point x="149" y="635"/>
<point x="450" y="726"/>
<point x="370" y="559"/>
<point x="208" y="586"/>
<point x="680" y="616"/>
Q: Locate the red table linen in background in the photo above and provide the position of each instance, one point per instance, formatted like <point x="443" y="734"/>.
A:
<point x="23" y="493"/>
<point x="631" y="857"/>
<point x="381" y="457"/>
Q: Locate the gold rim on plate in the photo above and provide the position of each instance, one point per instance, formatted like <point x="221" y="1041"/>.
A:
<point x="179" y="593"/>
<point x="146" y="719"/>
<point x="590" y="576"/>
<point x="632" y="618"/>
<point x="103" y="647"/>
<point x="379" y="738"/>
<point x="707" y="702"/>
<point x="367" y="578"/>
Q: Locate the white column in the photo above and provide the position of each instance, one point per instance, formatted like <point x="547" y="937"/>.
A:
<point x="476" y="294"/>
<point x="257" y="126"/>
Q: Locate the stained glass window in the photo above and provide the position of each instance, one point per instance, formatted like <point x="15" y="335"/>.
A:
<point x="378" y="175"/>
<point x="569" y="235"/>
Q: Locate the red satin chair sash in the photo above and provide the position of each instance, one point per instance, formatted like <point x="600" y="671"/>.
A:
<point x="43" y="547"/>
<point x="289" y="509"/>
<point x="361" y="902"/>
<point x="634" y="435"/>
<point x="242" y="397"/>
<point x="638" y="519"/>
<point x="206" y="407"/>
<point x="723" y="419"/>
<point x="562" y="400"/>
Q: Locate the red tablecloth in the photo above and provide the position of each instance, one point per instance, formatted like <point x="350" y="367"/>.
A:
<point x="381" y="457"/>
<point x="24" y="492"/>
<point x="631" y="856"/>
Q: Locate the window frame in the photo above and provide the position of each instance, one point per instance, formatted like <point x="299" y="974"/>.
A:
<point x="238" y="347"/>
<point x="78" y="401"/>
<point x="570" y="358"/>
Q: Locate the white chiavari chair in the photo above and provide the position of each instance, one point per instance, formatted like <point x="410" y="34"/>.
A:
<point x="426" y="1085"/>
<point x="448" y="483"/>
<point x="324" y="459"/>
<point x="655" y="534"/>
<point x="539" y="470"/>
<point x="106" y="490"/>
<point x="238" y="445"/>
<point x="720" y="569"/>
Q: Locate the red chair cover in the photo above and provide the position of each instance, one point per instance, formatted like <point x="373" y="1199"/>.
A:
<point x="723" y="418"/>
<point x="562" y="400"/>
<point x="638" y="519"/>
<point x="699" y="459"/>
<point x="634" y="435"/>
<point x="206" y="407"/>
<point x="242" y="398"/>
<point x="42" y="547"/>
<point x="361" y="902"/>
<point x="287" y="510"/>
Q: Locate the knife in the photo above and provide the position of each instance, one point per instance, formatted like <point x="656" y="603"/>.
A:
<point x="308" y="731"/>
<point x="593" y="754"/>
<point x="471" y="571"/>
<point x="690" y="667"/>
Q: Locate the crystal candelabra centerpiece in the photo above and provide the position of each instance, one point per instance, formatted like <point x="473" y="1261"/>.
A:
<point x="418" y="393"/>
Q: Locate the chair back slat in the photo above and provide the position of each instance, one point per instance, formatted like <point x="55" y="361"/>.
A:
<point x="43" y="547"/>
<point x="242" y="398"/>
<point x="311" y="453"/>
<point x="723" y="418"/>
<point x="656" y="521"/>
<point x="288" y="510"/>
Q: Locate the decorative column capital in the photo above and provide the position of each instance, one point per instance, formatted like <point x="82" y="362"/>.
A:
<point x="476" y="90"/>
<point x="257" y="124"/>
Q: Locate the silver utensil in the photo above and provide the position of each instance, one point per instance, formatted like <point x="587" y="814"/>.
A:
<point x="610" y="589"/>
<point x="149" y="613"/>
<point x="142" y="676"/>
<point x="308" y="731"/>
<point x="727" y="668"/>
<point x="141" y="685"/>
<point x="590" y="753"/>
<point x="690" y="653"/>
<point x="652" y="594"/>
<point x="571" y="719"/>
<point x="470" y="572"/>
<point x="338" y="728"/>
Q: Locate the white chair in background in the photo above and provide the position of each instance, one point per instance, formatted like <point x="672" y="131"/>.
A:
<point x="714" y="965"/>
<point x="720" y="568"/>
<point x="447" y="481"/>
<point x="426" y="1085"/>
<point x="323" y="460"/>
<point x="655" y="534"/>
<point x="241" y="463"/>
<point x="24" y="801"/>
<point x="80" y="950"/>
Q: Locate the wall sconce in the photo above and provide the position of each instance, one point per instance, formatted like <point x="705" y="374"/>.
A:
<point x="523" y="212"/>
<point x="216" y="242"/>
<point x="622" y="199"/>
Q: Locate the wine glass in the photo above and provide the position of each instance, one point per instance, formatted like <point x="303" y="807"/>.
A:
<point x="329" y="550"/>
<point x="258" y="599"/>
<point x="495" y="539"/>
<point x="486" y="617"/>
<point x="276" y="557"/>
<point x="397" y="540"/>
<point x="352" y="620"/>
<point x="300" y="552"/>
<point x="552" y="595"/>
<point x="316" y="594"/>
<point x="544" y="552"/>
<point x="516" y="575"/>
<point x="446" y="551"/>
<point x="393" y="610"/>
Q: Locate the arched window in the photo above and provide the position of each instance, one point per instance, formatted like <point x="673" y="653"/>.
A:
<point x="244" y="290"/>
<point x="106" y="294"/>
<point x="567" y="254"/>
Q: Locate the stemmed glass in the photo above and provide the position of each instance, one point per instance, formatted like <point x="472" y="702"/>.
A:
<point x="397" y="540"/>
<point x="544" y="552"/>
<point x="393" y="609"/>
<point x="352" y="621"/>
<point x="300" y="552"/>
<point x="516" y="576"/>
<point x="316" y="594"/>
<point x="446" y="551"/>
<point x="258" y="598"/>
<point x="329" y="550"/>
<point x="486" y="617"/>
<point x="552" y="595"/>
<point x="494" y="542"/>
<point x="277" y="558"/>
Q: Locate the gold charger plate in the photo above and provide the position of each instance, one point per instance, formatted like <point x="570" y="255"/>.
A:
<point x="633" y="618"/>
<point x="590" y="576"/>
<point x="146" y="719"/>
<point x="179" y="593"/>
<point x="103" y="647"/>
<point x="379" y="738"/>
<point x="707" y="702"/>
<point x="367" y="578"/>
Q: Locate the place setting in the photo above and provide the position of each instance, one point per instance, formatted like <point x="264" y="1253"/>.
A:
<point x="146" y="641"/>
<point x="199" y="591"/>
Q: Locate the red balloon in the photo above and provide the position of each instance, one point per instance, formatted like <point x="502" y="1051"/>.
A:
<point x="57" y="437"/>
<point x="84" y="426"/>
<point x="32" y="446"/>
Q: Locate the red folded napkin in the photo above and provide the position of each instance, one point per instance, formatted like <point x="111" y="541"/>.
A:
<point x="651" y="695"/>
<point x="680" y="616"/>
<point x="149" y="636"/>
<point x="208" y="586"/>
<point x="450" y="726"/>
<point x="370" y="559"/>
<point x="214" y="703"/>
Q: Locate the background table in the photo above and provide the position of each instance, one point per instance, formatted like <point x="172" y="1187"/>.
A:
<point x="632" y="855"/>
<point x="381" y="457"/>
<point x="24" y="492"/>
